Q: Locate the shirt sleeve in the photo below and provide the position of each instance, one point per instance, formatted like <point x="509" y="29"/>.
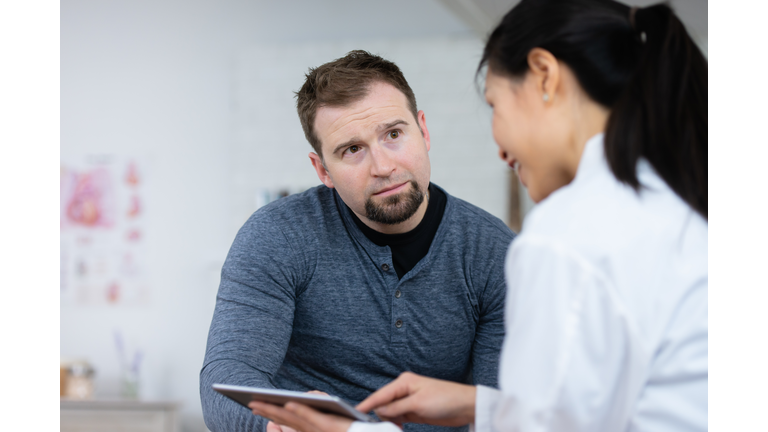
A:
<point x="489" y="334"/>
<point x="252" y="322"/>
<point x="572" y="359"/>
<point x="488" y="301"/>
<point x="486" y="399"/>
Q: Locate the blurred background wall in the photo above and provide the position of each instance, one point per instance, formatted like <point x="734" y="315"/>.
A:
<point x="201" y="94"/>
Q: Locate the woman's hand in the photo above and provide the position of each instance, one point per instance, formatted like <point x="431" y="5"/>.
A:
<point x="413" y="398"/>
<point x="300" y="417"/>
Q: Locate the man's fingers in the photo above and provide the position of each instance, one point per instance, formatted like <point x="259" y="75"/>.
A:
<point x="312" y="416"/>
<point x="397" y="389"/>
<point x="280" y="415"/>
<point x="274" y="427"/>
<point x="321" y="422"/>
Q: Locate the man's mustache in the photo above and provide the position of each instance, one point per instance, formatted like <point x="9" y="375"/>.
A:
<point x="388" y="185"/>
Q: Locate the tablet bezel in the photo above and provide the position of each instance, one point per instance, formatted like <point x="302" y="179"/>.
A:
<point x="328" y="404"/>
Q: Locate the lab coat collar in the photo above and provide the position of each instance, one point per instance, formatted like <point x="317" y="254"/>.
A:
<point x="592" y="157"/>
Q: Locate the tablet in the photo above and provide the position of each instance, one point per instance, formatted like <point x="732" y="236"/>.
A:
<point x="322" y="403"/>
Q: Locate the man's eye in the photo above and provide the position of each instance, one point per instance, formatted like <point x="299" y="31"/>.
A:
<point x="394" y="134"/>
<point x="353" y="149"/>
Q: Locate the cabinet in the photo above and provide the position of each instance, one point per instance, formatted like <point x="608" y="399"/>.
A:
<point x="118" y="416"/>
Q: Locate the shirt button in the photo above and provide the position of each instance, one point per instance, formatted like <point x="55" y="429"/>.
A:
<point x="385" y="267"/>
<point x="399" y="323"/>
<point x="397" y="294"/>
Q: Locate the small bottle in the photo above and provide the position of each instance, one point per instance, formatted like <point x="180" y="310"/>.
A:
<point x="79" y="380"/>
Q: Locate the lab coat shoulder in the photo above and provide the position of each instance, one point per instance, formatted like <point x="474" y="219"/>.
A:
<point x="598" y="215"/>
<point x="630" y="267"/>
<point x="628" y="236"/>
<point x="570" y="342"/>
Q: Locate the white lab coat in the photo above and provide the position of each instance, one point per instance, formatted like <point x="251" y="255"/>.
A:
<point x="606" y="311"/>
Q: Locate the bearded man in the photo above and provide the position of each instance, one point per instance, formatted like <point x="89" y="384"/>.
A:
<point x="378" y="271"/>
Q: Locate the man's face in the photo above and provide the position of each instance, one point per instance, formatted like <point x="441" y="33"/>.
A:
<point x="375" y="155"/>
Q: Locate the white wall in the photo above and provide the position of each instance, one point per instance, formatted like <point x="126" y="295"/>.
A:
<point x="153" y="79"/>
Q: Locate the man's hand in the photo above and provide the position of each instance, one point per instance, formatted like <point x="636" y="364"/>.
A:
<point x="413" y="398"/>
<point x="300" y="418"/>
<point x="274" y="427"/>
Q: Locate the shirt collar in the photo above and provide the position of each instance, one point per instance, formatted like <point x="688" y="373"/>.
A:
<point x="593" y="160"/>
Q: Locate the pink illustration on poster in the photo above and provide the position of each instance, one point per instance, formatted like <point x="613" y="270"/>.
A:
<point x="103" y="231"/>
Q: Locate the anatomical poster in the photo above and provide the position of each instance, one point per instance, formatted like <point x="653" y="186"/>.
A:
<point x="103" y="230"/>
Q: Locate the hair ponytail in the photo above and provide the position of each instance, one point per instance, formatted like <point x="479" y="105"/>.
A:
<point x="640" y="63"/>
<point x="662" y="114"/>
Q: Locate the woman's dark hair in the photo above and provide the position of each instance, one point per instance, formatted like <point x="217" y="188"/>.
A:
<point x="640" y="63"/>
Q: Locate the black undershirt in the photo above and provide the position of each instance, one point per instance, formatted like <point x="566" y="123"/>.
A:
<point x="409" y="248"/>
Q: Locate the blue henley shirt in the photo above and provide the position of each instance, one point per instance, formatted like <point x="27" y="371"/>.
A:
<point x="308" y="302"/>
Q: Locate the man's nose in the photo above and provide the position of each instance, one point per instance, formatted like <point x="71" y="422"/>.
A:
<point x="382" y="164"/>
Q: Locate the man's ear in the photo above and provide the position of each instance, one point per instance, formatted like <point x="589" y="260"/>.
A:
<point x="322" y="173"/>
<point x="546" y="70"/>
<point x="422" y="119"/>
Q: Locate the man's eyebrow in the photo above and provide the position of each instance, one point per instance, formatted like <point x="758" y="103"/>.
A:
<point x="352" y="141"/>
<point x="355" y="140"/>
<point x="391" y="125"/>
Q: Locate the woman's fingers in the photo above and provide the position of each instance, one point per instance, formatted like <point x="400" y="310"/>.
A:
<point x="417" y="399"/>
<point x="397" y="389"/>
<point x="398" y="409"/>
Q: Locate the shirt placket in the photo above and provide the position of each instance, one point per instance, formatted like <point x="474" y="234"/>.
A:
<point x="398" y="320"/>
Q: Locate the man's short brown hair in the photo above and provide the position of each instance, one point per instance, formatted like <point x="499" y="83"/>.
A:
<point x="342" y="82"/>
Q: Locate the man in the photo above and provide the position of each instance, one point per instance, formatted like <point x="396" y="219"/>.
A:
<point x="376" y="272"/>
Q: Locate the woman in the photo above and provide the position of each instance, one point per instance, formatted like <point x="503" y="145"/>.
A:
<point x="603" y="110"/>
